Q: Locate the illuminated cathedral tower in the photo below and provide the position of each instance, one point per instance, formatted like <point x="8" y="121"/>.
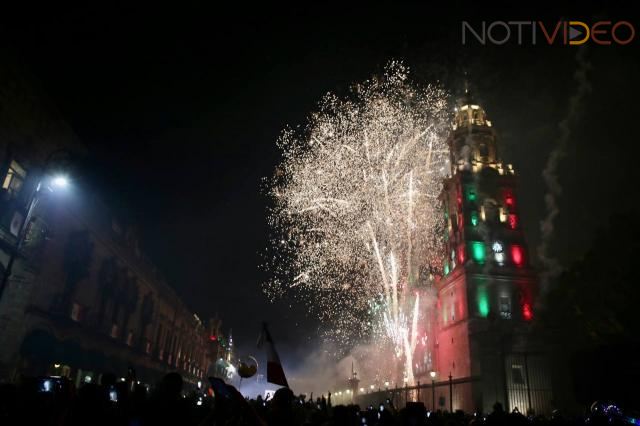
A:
<point x="485" y="297"/>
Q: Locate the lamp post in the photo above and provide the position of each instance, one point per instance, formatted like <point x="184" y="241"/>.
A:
<point x="51" y="183"/>
<point x="433" y="390"/>
<point x="450" y="393"/>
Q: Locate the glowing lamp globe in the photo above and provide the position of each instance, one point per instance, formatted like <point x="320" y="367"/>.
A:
<point x="59" y="182"/>
<point x="247" y="370"/>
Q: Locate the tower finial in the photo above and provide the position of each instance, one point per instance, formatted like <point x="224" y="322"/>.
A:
<point x="466" y="98"/>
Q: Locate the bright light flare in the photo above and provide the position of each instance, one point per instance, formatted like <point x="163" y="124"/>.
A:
<point x="59" y="182"/>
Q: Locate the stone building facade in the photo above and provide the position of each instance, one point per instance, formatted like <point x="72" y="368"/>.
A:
<point x="82" y="299"/>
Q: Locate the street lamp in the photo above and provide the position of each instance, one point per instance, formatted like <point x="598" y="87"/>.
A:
<point x="450" y="392"/>
<point x="60" y="181"/>
<point x="51" y="183"/>
<point x="433" y="390"/>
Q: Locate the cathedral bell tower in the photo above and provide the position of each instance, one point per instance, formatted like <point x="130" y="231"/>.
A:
<point x="485" y="296"/>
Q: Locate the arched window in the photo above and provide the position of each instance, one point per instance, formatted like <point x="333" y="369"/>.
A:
<point x="483" y="149"/>
<point x="491" y="211"/>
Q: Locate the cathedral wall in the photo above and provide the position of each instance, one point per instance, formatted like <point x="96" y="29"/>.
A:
<point x="453" y="356"/>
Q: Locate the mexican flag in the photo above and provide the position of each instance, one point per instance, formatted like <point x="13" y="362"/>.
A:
<point x="275" y="373"/>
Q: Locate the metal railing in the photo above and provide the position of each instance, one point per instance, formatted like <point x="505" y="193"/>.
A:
<point x="449" y="395"/>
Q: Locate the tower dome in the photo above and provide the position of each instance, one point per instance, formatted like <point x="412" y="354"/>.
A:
<point x="473" y="141"/>
<point x="469" y="113"/>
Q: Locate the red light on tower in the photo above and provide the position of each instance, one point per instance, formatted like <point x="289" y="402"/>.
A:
<point x="508" y="199"/>
<point x="461" y="253"/>
<point x="213" y="338"/>
<point x="517" y="255"/>
<point x="513" y="221"/>
<point x="527" y="313"/>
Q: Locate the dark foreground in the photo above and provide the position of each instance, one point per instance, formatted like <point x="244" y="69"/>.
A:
<point x="55" y="402"/>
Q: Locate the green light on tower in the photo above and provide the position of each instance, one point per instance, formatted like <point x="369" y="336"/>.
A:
<point x="482" y="300"/>
<point x="471" y="194"/>
<point x="446" y="268"/>
<point x="477" y="251"/>
<point x="474" y="218"/>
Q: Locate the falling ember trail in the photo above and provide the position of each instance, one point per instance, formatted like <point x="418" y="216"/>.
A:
<point x="355" y="210"/>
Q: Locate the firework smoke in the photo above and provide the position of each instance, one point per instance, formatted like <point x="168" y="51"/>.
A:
<point x="356" y="210"/>
<point x="551" y="268"/>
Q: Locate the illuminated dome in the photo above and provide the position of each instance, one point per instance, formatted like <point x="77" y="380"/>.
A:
<point x="470" y="114"/>
<point x="472" y="143"/>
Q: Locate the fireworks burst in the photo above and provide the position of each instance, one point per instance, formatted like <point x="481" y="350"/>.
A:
<point x="356" y="213"/>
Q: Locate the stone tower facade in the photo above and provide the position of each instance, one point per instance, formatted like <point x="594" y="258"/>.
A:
<point x="485" y="297"/>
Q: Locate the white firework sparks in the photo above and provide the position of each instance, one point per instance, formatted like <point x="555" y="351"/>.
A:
<point x="356" y="213"/>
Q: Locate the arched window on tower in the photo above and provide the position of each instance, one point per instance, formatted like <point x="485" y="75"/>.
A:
<point x="483" y="149"/>
<point x="491" y="211"/>
<point x="505" y="307"/>
<point x="478" y="115"/>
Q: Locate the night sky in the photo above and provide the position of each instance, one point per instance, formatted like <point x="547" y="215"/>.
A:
<point x="180" y="110"/>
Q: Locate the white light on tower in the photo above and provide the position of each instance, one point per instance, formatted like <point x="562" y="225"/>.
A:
<point x="498" y="252"/>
